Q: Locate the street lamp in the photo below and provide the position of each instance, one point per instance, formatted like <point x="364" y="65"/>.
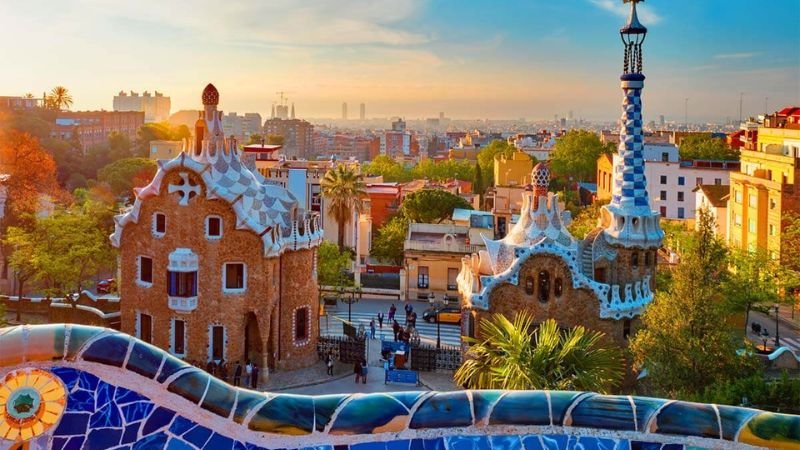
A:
<point x="436" y="308"/>
<point x="777" y="328"/>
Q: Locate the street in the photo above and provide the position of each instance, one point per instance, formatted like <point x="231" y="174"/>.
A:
<point x="788" y="335"/>
<point x="366" y="309"/>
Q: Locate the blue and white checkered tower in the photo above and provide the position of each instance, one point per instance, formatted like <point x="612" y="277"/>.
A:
<point x="629" y="220"/>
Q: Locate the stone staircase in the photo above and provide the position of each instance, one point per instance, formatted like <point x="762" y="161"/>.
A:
<point x="587" y="262"/>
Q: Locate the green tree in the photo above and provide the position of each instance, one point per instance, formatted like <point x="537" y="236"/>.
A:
<point x="779" y="395"/>
<point x="685" y="343"/>
<point x="706" y="147"/>
<point x="586" y="219"/>
<point x="477" y="183"/>
<point x="387" y="245"/>
<point x="486" y="158"/>
<point x="575" y="155"/>
<point x="343" y="189"/>
<point x="388" y="168"/>
<point x="443" y="170"/>
<point x="67" y="249"/>
<point x="255" y="139"/>
<point x="753" y="282"/>
<point x="59" y="98"/>
<point x="431" y="206"/>
<point x="331" y="263"/>
<point x="22" y="261"/>
<point x="510" y="356"/>
<point x="275" y="139"/>
<point x="159" y="131"/>
<point x="123" y="175"/>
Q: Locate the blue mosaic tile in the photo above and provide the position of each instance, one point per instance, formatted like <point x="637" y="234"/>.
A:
<point x="180" y="425"/>
<point x="103" y="394"/>
<point x="190" y="385"/>
<point x="532" y="442"/>
<point x="324" y="407"/>
<point x="219" y="398"/>
<point x="198" y="436"/>
<point x="417" y="444"/>
<point x="443" y="409"/>
<point x="72" y="424"/>
<point x="591" y="443"/>
<point x="521" y="408"/>
<point x="134" y="412"/>
<point x="247" y="400"/>
<point x="145" y="359"/>
<point x="560" y="401"/>
<point x="79" y="335"/>
<point x="482" y="402"/>
<point x="555" y="442"/>
<point x="605" y="411"/>
<point x="239" y="445"/>
<point x="377" y="445"/>
<point x="107" y="416"/>
<point x="639" y="445"/>
<point x="219" y="442"/>
<point x="177" y="444"/>
<point x="88" y="381"/>
<point x="646" y="409"/>
<point x="408" y="399"/>
<point x="124" y="396"/>
<point x="159" y="419"/>
<point x="80" y="400"/>
<point x="434" y="444"/>
<point x="688" y="419"/>
<point x="506" y="442"/>
<point x="68" y="375"/>
<point x="623" y="444"/>
<point x="73" y="443"/>
<point x="364" y="415"/>
<point x="398" y="445"/>
<point x="468" y="443"/>
<point x="733" y="419"/>
<point x="109" y="350"/>
<point x="131" y="433"/>
<point x="151" y="442"/>
<point x="172" y="365"/>
<point x="103" y="438"/>
<point x="286" y="414"/>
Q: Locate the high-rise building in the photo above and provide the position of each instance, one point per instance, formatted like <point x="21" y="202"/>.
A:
<point x="298" y="135"/>
<point x="94" y="127"/>
<point x="344" y="110"/>
<point x="241" y="127"/>
<point x="661" y="120"/>
<point x="362" y="112"/>
<point x="155" y="107"/>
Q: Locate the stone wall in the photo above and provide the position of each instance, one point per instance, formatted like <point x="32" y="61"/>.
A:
<point x="298" y="290"/>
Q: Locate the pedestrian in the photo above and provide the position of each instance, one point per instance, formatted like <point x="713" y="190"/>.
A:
<point x="254" y="377"/>
<point x="372" y="328"/>
<point x="407" y="308"/>
<point x="329" y="362"/>
<point x="364" y="371"/>
<point x="395" y="329"/>
<point x="237" y="374"/>
<point x="412" y="319"/>
<point x="223" y="371"/>
<point x="380" y="320"/>
<point x="392" y="310"/>
<point x="248" y="372"/>
<point x="357" y="371"/>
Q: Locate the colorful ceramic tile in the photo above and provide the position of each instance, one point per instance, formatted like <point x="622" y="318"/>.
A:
<point x="689" y="419"/>
<point x="285" y="414"/>
<point x="324" y="408"/>
<point x="110" y="350"/>
<point x="31" y="402"/>
<point x="219" y="398"/>
<point x="443" y="409"/>
<point x="370" y="414"/>
<point x="772" y="430"/>
<point x="521" y="408"/>
<point x="604" y="411"/>
<point x="145" y="359"/>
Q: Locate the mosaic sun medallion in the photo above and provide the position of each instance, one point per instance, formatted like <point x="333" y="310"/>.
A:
<point x="31" y="401"/>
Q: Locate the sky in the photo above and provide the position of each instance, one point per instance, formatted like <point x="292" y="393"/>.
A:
<point x="496" y="59"/>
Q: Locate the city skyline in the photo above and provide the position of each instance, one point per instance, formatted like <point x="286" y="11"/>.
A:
<point x="411" y="58"/>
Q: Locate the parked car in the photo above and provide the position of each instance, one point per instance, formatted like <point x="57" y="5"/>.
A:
<point x="450" y="314"/>
<point x="106" y="286"/>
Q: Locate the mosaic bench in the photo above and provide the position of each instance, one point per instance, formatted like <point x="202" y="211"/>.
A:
<point x="73" y="387"/>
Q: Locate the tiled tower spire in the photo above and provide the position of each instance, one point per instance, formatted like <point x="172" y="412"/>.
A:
<point x="629" y="220"/>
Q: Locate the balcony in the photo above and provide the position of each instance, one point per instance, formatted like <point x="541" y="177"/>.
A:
<point x="182" y="304"/>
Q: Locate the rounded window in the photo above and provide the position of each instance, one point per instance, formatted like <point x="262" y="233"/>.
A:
<point x="544" y="286"/>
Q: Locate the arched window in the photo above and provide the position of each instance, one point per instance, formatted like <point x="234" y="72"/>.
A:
<point x="544" y="286"/>
<point x="529" y="285"/>
<point x="558" y="287"/>
<point x="635" y="259"/>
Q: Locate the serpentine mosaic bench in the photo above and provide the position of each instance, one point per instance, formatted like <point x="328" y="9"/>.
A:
<point x="77" y="387"/>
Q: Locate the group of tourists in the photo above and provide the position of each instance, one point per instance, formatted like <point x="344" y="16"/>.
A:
<point x="247" y="373"/>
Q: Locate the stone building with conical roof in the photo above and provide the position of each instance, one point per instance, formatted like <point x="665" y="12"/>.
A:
<point x="603" y="281"/>
<point x="216" y="264"/>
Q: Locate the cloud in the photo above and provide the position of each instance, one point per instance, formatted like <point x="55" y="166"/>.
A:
<point x="646" y="13"/>
<point x="735" y="55"/>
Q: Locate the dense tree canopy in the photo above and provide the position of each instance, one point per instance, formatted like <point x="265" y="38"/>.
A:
<point x="393" y="171"/>
<point x="686" y="344"/>
<point x="30" y="171"/>
<point x="431" y="205"/>
<point x="331" y="263"/>
<point x="509" y="356"/>
<point x="123" y="175"/>
<point x="575" y="155"/>
<point x="706" y="148"/>
<point x="387" y="245"/>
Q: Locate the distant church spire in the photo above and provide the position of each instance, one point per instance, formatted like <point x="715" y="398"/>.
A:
<point x="292" y="110"/>
<point x="629" y="220"/>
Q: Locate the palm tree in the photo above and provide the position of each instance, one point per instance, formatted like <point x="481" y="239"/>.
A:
<point x="343" y="188"/>
<point x="59" y="98"/>
<point x="510" y="356"/>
